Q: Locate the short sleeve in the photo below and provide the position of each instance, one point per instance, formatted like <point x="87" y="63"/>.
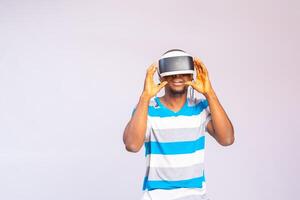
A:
<point x="133" y="110"/>
<point x="207" y="113"/>
<point x="148" y="129"/>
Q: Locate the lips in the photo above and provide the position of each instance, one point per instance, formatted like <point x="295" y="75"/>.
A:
<point x="178" y="82"/>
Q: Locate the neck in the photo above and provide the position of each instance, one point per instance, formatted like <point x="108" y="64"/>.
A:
<point x="173" y="100"/>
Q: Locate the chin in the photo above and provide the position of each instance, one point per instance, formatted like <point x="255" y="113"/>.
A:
<point x="177" y="90"/>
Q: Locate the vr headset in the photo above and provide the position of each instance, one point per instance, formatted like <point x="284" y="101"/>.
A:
<point x="175" y="61"/>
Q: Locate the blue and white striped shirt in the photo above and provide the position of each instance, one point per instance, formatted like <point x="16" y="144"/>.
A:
<point x="174" y="150"/>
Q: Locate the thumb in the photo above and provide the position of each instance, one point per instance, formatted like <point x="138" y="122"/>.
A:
<point x="190" y="83"/>
<point x="161" y="85"/>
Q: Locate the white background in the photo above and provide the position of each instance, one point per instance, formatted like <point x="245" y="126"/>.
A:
<point x="72" y="71"/>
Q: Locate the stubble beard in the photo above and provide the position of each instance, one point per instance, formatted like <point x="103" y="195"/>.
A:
<point x="176" y="93"/>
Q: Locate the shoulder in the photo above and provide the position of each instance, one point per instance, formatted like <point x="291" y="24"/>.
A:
<point x="198" y="102"/>
<point x="154" y="108"/>
<point x="153" y="103"/>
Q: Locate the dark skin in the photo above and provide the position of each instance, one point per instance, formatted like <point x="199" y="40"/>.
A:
<point x="220" y="127"/>
<point x="175" y="91"/>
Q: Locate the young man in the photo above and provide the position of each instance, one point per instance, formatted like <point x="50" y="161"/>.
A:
<point x="172" y="128"/>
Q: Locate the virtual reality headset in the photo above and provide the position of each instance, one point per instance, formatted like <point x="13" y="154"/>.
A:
<point x="175" y="61"/>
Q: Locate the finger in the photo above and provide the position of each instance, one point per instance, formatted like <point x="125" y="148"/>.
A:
<point x="197" y="59"/>
<point x="201" y="64"/>
<point x="198" y="67"/>
<point x="151" y="70"/>
<point x="190" y="83"/>
<point x="163" y="84"/>
<point x="198" y="71"/>
<point x="205" y="70"/>
<point x="151" y="67"/>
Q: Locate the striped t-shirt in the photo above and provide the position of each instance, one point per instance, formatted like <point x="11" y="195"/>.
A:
<point x="174" y="151"/>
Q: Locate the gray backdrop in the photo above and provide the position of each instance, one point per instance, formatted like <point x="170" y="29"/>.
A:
<point x="71" y="72"/>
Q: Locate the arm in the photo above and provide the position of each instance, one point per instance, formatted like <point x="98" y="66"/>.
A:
<point x="220" y="126"/>
<point x="134" y="133"/>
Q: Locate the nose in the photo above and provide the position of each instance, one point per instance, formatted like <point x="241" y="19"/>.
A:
<point x="177" y="76"/>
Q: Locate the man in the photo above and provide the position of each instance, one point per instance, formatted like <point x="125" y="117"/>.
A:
<point x="172" y="128"/>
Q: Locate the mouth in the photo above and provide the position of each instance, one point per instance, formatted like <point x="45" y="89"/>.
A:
<point x="177" y="82"/>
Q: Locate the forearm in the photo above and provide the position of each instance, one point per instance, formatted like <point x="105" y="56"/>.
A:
<point x="134" y="133"/>
<point x="223" y="129"/>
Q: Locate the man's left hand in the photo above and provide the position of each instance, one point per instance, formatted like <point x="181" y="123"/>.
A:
<point x="202" y="83"/>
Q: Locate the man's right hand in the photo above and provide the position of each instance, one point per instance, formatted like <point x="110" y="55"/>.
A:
<point x="150" y="87"/>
